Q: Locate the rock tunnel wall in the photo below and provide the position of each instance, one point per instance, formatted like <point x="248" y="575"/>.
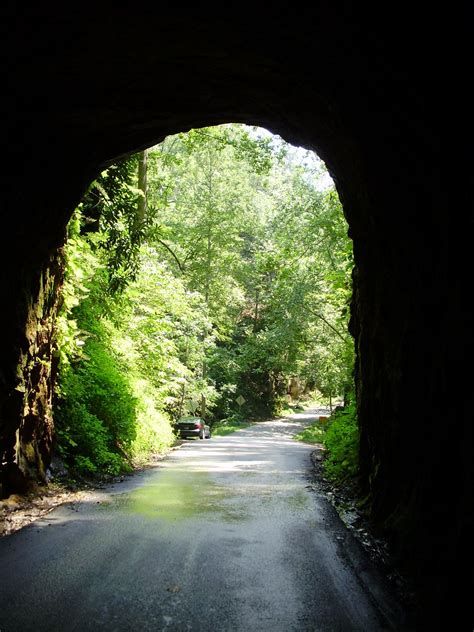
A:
<point x="88" y="88"/>
<point x="27" y="422"/>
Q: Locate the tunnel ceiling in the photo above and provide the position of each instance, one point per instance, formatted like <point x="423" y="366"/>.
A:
<point x="94" y="84"/>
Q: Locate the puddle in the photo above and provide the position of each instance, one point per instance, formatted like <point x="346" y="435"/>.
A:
<point x="298" y="500"/>
<point x="176" y="496"/>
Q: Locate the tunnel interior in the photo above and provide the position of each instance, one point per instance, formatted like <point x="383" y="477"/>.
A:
<point x="87" y="88"/>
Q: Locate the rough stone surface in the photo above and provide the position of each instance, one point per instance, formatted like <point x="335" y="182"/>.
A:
<point x="362" y="89"/>
<point x="27" y="428"/>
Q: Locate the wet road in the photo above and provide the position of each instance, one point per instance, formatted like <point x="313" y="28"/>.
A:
<point x="225" y="535"/>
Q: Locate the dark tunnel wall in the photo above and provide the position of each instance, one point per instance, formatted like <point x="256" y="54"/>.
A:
<point x="86" y="87"/>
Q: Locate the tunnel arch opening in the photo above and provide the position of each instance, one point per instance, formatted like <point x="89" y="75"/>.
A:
<point x="250" y="238"/>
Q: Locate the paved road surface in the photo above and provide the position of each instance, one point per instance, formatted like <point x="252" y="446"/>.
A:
<point x="224" y="535"/>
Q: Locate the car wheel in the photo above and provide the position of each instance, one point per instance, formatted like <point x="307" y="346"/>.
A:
<point x="209" y="435"/>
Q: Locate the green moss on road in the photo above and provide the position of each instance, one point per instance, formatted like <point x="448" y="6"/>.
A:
<point x="225" y="428"/>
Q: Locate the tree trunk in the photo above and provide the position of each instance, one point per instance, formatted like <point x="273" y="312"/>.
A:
<point x="142" y="185"/>
<point x="255" y="318"/>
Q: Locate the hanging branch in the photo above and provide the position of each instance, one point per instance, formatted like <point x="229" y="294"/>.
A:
<point x="178" y="262"/>
<point x="326" y="322"/>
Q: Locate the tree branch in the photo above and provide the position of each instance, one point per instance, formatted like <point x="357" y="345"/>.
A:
<point x="178" y="262"/>
<point x="326" y="322"/>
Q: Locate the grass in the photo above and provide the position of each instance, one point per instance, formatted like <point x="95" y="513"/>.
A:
<point x="313" y="433"/>
<point x="291" y="409"/>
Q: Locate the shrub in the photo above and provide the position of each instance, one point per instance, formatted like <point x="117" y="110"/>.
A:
<point x="153" y="429"/>
<point x="95" y="416"/>
<point x="342" y="443"/>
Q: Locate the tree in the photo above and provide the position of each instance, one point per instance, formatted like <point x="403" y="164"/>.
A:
<point x="269" y="253"/>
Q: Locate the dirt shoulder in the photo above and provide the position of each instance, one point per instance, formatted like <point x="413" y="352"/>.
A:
<point x="18" y="511"/>
<point x="344" y="498"/>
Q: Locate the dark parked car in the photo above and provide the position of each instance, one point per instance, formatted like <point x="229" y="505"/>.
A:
<point x="193" y="427"/>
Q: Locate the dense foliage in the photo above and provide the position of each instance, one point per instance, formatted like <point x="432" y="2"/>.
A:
<point x="342" y="442"/>
<point x="107" y="414"/>
<point x="219" y="282"/>
<point x="339" y="434"/>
